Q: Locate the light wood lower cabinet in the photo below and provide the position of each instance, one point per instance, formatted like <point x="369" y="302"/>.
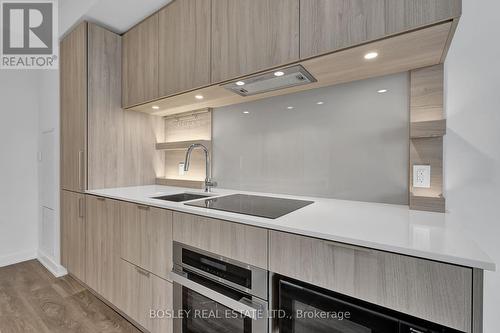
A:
<point x="103" y="246"/>
<point x="232" y="240"/>
<point x="143" y="292"/>
<point x="438" y="292"/>
<point x="146" y="238"/>
<point x="73" y="233"/>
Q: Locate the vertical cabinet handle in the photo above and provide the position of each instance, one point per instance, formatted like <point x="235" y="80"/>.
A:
<point x="81" y="208"/>
<point x="80" y="170"/>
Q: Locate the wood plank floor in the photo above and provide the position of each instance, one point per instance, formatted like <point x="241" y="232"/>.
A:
<point x="33" y="301"/>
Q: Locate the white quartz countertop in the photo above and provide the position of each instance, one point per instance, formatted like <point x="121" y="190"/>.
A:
<point x="392" y="228"/>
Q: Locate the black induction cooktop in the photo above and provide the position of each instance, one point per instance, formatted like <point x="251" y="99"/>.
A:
<point x="268" y="207"/>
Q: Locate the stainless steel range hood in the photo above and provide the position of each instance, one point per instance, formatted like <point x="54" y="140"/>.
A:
<point x="275" y="80"/>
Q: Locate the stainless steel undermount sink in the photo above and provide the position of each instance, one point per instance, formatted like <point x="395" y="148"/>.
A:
<point x="181" y="197"/>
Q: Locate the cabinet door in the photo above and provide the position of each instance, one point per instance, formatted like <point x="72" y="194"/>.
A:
<point x="162" y="301"/>
<point x="328" y="25"/>
<point x="147" y="238"/>
<point x="232" y="240"/>
<point x="136" y="293"/>
<point x="142" y="292"/>
<point x="103" y="246"/>
<point x="403" y="15"/>
<point x="140" y="63"/>
<point x="73" y="233"/>
<point x="250" y="36"/>
<point x="434" y="291"/>
<point x="184" y="46"/>
<point x="73" y="77"/>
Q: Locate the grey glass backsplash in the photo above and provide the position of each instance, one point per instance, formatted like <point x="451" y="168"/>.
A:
<point x="347" y="141"/>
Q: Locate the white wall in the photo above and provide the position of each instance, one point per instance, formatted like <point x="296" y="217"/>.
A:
<point x="18" y="165"/>
<point x="472" y="144"/>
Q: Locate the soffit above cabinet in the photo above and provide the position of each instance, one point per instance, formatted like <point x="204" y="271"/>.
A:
<point x="416" y="49"/>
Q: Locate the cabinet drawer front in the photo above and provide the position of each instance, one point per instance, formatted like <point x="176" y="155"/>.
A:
<point x="143" y="292"/>
<point x="136" y="297"/>
<point x="232" y="240"/>
<point x="147" y="238"/>
<point x="430" y="290"/>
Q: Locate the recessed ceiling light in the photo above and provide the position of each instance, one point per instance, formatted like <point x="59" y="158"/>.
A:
<point x="289" y="107"/>
<point x="371" y="55"/>
<point x="198" y="96"/>
<point x="279" y="73"/>
<point x="320" y="103"/>
<point x="381" y="91"/>
<point x="155" y="107"/>
<point x="246" y="112"/>
<point x="240" y="83"/>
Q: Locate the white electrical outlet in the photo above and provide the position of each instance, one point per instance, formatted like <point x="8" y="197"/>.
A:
<point x="181" y="169"/>
<point x="422" y="176"/>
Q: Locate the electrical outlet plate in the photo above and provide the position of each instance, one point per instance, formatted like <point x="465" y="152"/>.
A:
<point x="422" y="176"/>
<point x="181" y="169"/>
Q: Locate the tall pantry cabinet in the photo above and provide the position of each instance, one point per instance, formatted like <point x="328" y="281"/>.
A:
<point x="102" y="145"/>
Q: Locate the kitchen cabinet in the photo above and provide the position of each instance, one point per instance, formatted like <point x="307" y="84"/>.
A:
<point x="251" y="36"/>
<point x="430" y="290"/>
<point x="73" y="233"/>
<point x="146" y="238"/>
<point x="184" y="46"/>
<point x="232" y="240"/>
<point x="327" y="25"/>
<point x="404" y="15"/>
<point x="102" y="145"/>
<point x="73" y="77"/>
<point x="330" y="25"/>
<point x="103" y="246"/>
<point x="162" y="300"/>
<point x="140" y="63"/>
<point x="143" y="292"/>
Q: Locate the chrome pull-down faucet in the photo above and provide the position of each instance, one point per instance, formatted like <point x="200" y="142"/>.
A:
<point x="208" y="171"/>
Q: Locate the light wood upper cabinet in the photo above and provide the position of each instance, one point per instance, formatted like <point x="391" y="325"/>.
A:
<point x="184" y="46"/>
<point x="140" y="63"/>
<point x="434" y="291"/>
<point x="403" y="15"/>
<point x="330" y="25"/>
<point x="232" y="240"/>
<point x="103" y="246"/>
<point x="121" y="143"/>
<point x="73" y="233"/>
<point x="327" y="25"/>
<point x="73" y="77"/>
<point x="250" y="36"/>
<point x="146" y="239"/>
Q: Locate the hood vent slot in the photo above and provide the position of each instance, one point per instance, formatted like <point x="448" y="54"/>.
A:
<point x="290" y="77"/>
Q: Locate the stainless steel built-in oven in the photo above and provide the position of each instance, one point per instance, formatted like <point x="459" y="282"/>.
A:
<point x="213" y="294"/>
<point x="308" y="309"/>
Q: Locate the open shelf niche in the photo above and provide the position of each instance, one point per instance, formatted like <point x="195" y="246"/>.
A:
<point x="181" y="131"/>
<point x="427" y="128"/>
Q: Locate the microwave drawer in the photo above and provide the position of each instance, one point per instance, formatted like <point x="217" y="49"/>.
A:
<point x="437" y="292"/>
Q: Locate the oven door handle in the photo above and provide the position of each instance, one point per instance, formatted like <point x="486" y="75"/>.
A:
<point x="245" y="306"/>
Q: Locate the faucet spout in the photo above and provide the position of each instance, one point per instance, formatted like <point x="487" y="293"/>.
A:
<point x="208" y="171"/>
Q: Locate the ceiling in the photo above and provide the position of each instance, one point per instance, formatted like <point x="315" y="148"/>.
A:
<point x="116" y="15"/>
